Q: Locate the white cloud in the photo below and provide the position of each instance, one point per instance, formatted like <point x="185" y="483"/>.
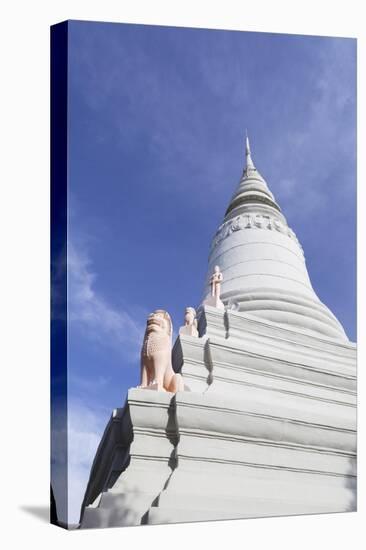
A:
<point x="90" y="385"/>
<point x="85" y="429"/>
<point x="70" y="465"/>
<point x="75" y="439"/>
<point x="90" y="314"/>
<point x="98" y="319"/>
<point x="312" y="152"/>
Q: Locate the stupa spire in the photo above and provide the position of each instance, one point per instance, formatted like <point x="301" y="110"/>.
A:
<point x="248" y="155"/>
<point x="252" y="187"/>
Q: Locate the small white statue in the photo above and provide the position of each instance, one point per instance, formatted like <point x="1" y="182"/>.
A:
<point x="215" y="282"/>
<point x="190" y="322"/>
<point x="156" y="365"/>
<point x="190" y="317"/>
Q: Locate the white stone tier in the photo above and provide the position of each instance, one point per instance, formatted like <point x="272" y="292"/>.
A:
<point x="268" y="428"/>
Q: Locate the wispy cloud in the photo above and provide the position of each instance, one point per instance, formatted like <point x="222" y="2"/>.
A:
<point x="100" y="323"/>
<point x="89" y="385"/>
<point x="319" y="147"/>
<point x="85" y="429"/>
<point x="304" y="95"/>
<point x="92" y="314"/>
<point x="154" y="106"/>
<point x="73" y="452"/>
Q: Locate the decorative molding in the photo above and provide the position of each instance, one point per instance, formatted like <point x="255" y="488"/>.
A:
<point x="274" y="332"/>
<point x="236" y="381"/>
<point x="253" y="221"/>
<point x="263" y="416"/>
<point x="282" y="361"/>
<point x="236" y="438"/>
<point x="264" y="466"/>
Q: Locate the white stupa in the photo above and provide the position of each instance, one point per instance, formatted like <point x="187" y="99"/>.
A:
<point x="267" y="424"/>
<point x="263" y="263"/>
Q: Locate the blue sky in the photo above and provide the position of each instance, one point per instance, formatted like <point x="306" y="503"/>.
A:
<point x="157" y="119"/>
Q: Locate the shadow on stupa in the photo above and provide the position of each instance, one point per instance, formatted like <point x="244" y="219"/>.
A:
<point x="351" y="484"/>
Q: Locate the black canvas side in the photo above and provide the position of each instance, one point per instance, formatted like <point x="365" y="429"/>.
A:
<point x="59" y="143"/>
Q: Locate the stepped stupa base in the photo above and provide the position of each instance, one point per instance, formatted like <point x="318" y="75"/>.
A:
<point x="269" y="429"/>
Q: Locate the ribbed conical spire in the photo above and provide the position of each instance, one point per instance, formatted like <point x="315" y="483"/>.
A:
<point x="252" y="187"/>
<point x="248" y="156"/>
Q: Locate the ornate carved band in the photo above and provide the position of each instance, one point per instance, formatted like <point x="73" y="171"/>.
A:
<point x="252" y="221"/>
